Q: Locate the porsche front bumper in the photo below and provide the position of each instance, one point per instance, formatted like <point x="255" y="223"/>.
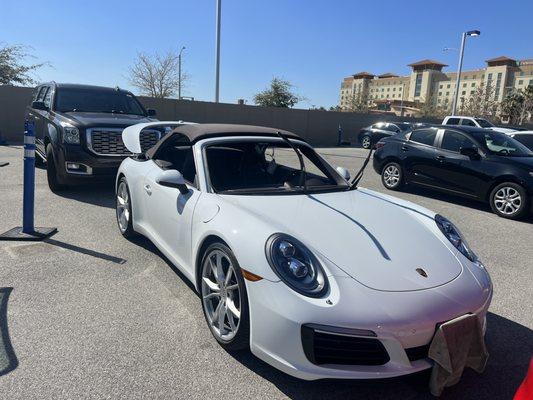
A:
<point x="280" y="321"/>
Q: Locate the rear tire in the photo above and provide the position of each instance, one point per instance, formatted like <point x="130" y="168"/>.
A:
<point x="366" y="142"/>
<point x="54" y="181"/>
<point x="509" y="200"/>
<point x="392" y="176"/>
<point x="226" y="295"/>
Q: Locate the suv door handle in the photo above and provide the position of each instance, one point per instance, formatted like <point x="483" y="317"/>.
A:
<point x="440" y="158"/>
<point x="405" y="148"/>
<point x="148" y="189"/>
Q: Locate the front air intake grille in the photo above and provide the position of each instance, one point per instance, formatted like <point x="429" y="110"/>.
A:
<point x="323" y="347"/>
<point x="417" y="353"/>
<point x="108" y="141"/>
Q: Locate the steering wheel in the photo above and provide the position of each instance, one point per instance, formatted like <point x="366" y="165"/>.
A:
<point x="291" y="178"/>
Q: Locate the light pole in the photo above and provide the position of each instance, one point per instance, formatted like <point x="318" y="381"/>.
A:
<point x="179" y="72"/>
<point x="460" y="66"/>
<point x="217" y="74"/>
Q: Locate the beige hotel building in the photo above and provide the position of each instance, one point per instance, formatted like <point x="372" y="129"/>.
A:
<point x="428" y="81"/>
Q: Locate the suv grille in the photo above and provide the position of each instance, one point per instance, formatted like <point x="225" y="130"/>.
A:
<point x="331" y="348"/>
<point x="106" y="141"/>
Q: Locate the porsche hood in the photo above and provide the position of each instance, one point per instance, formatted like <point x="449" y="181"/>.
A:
<point x="383" y="244"/>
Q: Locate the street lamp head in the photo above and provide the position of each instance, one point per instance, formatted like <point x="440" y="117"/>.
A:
<point x="473" y="33"/>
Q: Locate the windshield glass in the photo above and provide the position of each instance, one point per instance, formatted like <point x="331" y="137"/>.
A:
<point x="503" y="145"/>
<point x="404" y="126"/>
<point x="251" y="167"/>
<point x="93" y="100"/>
<point x="484" y="123"/>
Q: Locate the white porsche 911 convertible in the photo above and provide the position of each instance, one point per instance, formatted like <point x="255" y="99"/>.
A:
<point x="316" y="276"/>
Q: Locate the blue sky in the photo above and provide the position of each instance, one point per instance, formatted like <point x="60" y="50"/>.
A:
<point x="311" y="43"/>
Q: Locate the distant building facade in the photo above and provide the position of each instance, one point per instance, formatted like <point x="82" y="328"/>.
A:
<point x="427" y="82"/>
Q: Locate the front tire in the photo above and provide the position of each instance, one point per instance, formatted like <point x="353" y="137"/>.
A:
<point x="52" y="174"/>
<point x="392" y="176"/>
<point x="224" y="298"/>
<point x="509" y="200"/>
<point x="123" y="209"/>
<point x="366" y="142"/>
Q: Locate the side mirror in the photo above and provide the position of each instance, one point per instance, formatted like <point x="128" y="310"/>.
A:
<point x="151" y="112"/>
<point x="173" y="179"/>
<point x="344" y="173"/>
<point x="39" y="105"/>
<point x="471" y="152"/>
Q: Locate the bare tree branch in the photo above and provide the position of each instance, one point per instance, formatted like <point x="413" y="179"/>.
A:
<point x="157" y="75"/>
<point x="13" y="70"/>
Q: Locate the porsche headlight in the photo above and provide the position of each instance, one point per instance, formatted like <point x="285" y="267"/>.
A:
<point x="455" y="237"/>
<point x="296" y="265"/>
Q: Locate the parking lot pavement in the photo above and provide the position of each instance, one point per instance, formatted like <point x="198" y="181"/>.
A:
<point x="92" y="315"/>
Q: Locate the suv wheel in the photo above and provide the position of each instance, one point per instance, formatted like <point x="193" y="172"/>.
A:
<point x="392" y="176"/>
<point x="366" y="142"/>
<point x="509" y="200"/>
<point x="54" y="182"/>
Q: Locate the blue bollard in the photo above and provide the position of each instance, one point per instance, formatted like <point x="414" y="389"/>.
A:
<point x="29" y="178"/>
<point x="28" y="231"/>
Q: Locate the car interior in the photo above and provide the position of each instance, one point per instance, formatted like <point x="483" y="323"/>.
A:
<point x="252" y="165"/>
<point x="180" y="158"/>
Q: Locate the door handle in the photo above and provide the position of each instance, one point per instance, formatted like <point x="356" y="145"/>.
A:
<point x="148" y="189"/>
<point x="405" y="148"/>
<point x="440" y="158"/>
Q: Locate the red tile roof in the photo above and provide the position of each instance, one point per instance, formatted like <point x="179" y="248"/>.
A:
<point x="426" y="62"/>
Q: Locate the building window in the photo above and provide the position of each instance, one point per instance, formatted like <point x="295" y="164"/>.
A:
<point x="447" y="93"/>
<point x="520" y="82"/>
<point x="464" y="84"/>
<point x="463" y="93"/>
<point x="472" y="91"/>
<point x="440" y="86"/>
<point x="448" y="86"/>
<point x="418" y="84"/>
<point x="530" y="82"/>
<point x="400" y="89"/>
<point x="393" y="89"/>
<point x="473" y="84"/>
<point x="473" y="77"/>
<point x="440" y="93"/>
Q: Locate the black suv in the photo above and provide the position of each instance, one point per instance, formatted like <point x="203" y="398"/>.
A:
<point x="78" y="130"/>
<point x="475" y="163"/>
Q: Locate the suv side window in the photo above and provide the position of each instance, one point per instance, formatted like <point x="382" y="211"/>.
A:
<point x="452" y="121"/>
<point x="424" y="136"/>
<point x="36" y="93"/>
<point x="48" y="97"/>
<point x="467" y="122"/>
<point x="40" y="96"/>
<point x="453" y="141"/>
<point x="391" y="128"/>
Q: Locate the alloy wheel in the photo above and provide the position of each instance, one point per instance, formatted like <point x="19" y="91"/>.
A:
<point x="391" y="176"/>
<point x="123" y="206"/>
<point x="507" y="200"/>
<point x="221" y="295"/>
<point x="366" y="142"/>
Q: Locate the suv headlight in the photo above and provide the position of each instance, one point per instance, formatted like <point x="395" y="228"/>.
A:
<point x="295" y="265"/>
<point x="455" y="237"/>
<point x="71" y="134"/>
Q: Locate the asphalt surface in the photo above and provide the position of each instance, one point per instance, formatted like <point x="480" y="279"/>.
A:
<point x="88" y="314"/>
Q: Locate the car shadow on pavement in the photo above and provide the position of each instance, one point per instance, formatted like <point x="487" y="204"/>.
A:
<point x="510" y="346"/>
<point x="97" y="193"/>
<point x="460" y="201"/>
<point x="8" y="359"/>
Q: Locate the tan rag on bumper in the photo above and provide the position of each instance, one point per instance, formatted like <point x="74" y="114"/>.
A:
<point x="457" y="344"/>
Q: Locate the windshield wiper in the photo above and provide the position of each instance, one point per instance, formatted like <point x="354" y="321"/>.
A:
<point x="359" y="175"/>
<point x="303" y="175"/>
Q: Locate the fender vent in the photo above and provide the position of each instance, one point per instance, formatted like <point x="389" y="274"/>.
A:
<point x="332" y="348"/>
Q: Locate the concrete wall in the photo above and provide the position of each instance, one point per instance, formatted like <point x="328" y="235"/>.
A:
<point x="13" y="102"/>
<point x="320" y="128"/>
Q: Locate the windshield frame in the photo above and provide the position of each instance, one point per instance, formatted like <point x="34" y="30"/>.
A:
<point x="124" y="93"/>
<point x="485" y="122"/>
<point x="341" y="185"/>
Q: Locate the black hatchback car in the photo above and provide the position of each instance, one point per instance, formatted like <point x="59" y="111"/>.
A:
<point x="475" y="163"/>
<point x="370" y="135"/>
